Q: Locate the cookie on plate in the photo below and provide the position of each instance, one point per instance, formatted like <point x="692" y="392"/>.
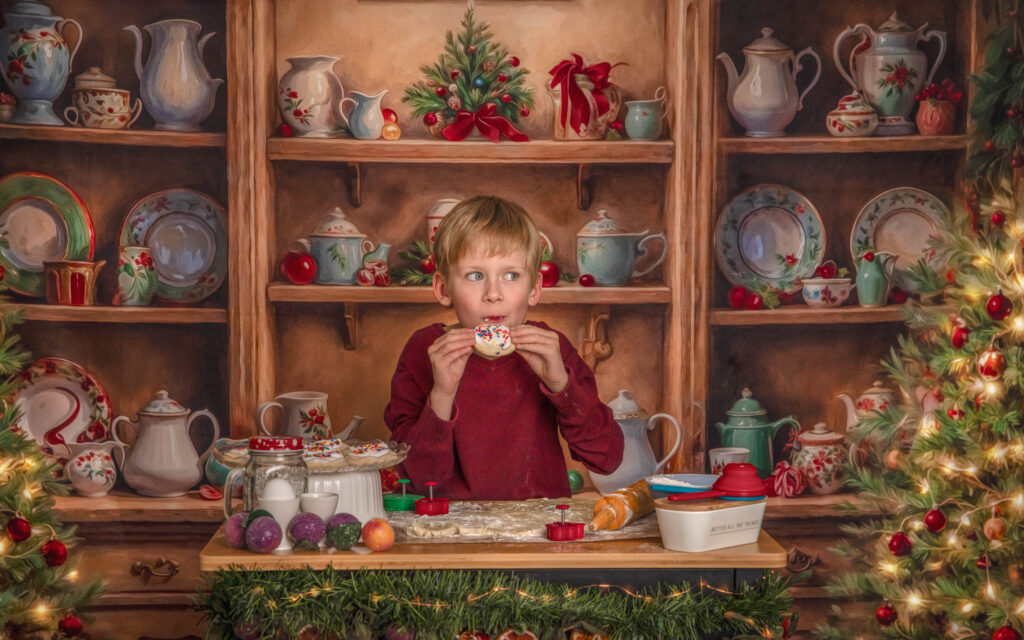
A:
<point x="493" y="340"/>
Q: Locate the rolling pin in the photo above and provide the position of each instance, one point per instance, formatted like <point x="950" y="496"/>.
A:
<point x="623" y="506"/>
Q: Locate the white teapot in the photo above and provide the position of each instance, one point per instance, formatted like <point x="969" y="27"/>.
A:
<point x="638" y="459"/>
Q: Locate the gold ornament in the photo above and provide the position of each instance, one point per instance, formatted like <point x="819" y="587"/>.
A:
<point x="391" y="131"/>
<point x="994" y="528"/>
<point x="454" y="102"/>
<point x="892" y="459"/>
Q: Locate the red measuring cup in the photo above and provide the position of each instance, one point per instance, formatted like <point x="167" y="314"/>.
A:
<point x="739" y="481"/>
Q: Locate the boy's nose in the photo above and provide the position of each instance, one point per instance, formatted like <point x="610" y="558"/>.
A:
<point x="493" y="292"/>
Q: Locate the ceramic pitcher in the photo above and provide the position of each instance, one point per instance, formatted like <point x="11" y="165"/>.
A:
<point x="136" y="276"/>
<point x="366" y="119"/>
<point x="303" y="413"/>
<point x="176" y="88"/>
<point x="309" y="96"/>
<point x="162" y="462"/>
<point x="874" y="277"/>
<point x="90" y="467"/>
<point x="645" y="119"/>
<point x="609" y="254"/>
<point x="888" y="68"/>
<point x="748" y="427"/>
<point x="764" y="99"/>
<point x="36" y="60"/>
<point x="638" y="459"/>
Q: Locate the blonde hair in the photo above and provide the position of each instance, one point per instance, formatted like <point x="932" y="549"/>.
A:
<point x="500" y="226"/>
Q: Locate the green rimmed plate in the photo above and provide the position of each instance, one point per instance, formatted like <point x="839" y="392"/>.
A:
<point x="769" y="234"/>
<point x="41" y="219"/>
<point x="187" y="234"/>
<point x="901" y="221"/>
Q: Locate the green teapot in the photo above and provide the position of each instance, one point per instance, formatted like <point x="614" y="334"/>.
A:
<point x="748" y="427"/>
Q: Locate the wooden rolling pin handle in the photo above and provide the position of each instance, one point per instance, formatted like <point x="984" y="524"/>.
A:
<point x="602" y="519"/>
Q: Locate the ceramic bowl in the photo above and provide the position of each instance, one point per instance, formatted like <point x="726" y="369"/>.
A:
<point x="668" y="483"/>
<point x="826" y="292"/>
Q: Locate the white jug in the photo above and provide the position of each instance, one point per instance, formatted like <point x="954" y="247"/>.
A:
<point x="638" y="459"/>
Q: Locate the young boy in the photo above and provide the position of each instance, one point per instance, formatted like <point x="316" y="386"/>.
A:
<point x="487" y="429"/>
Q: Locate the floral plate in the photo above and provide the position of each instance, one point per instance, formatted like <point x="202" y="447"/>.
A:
<point x="61" y="402"/>
<point x="187" y="233"/>
<point x="40" y="219"/>
<point x="769" y="234"/>
<point x="900" y="221"/>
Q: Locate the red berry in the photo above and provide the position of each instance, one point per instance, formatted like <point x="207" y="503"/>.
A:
<point x="955" y="413"/>
<point x="502" y="77"/>
<point x="951" y="275"/>
<point x="869" y="256"/>
<point x="471" y="49"/>
<point x="441" y="91"/>
<point x="54" y="552"/>
<point x="70" y="625"/>
<point x="430" y="119"/>
<point x="753" y="302"/>
<point x="427" y="265"/>
<point x="454" y="74"/>
<point x="997" y="219"/>
<point x="959" y="337"/>
<point x="524" y="112"/>
<point x="738" y="297"/>
<point x="514" y="61"/>
<point x="1005" y="632"/>
<point x="506" y="98"/>
<point x="990" y="146"/>
<point x="935" y="520"/>
<point x="999" y="307"/>
<point x="898" y="296"/>
<point x="286" y="130"/>
<point x="587" y="280"/>
<point x="899" y="544"/>
<point x="389" y="115"/>
<point x="617" y="126"/>
<point x="885" y="615"/>
<point x="19" y="528"/>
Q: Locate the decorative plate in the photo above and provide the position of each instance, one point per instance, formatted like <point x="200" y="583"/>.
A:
<point x="187" y="233"/>
<point x="62" y="402"/>
<point x="40" y="219"/>
<point x="769" y="234"/>
<point x="900" y="221"/>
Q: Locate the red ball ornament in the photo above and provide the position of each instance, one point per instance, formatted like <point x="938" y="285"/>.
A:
<point x="754" y="301"/>
<point x="999" y="307"/>
<point x="19" y="529"/>
<point x="1005" y="632"/>
<point x="935" y="520"/>
<point x="959" y="337"/>
<point x="441" y="91"/>
<point x="990" y="146"/>
<point x="55" y="552"/>
<point x="70" y="625"/>
<point x="899" y="544"/>
<point x="502" y="77"/>
<point x="738" y="296"/>
<point x="506" y="98"/>
<point x="991" y="364"/>
<point x="514" y="61"/>
<point x="524" y="112"/>
<point x="471" y="49"/>
<point x="982" y="562"/>
<point x="430" y="119"/>
<point x="997" y="219"/>
<point x="454" y="74"/>
<point x="885" y="614"/>
<point x="587" y="280"/>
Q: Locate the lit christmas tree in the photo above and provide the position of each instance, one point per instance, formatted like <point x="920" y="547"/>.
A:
<point x="41" y="594"/>
<point x="474" y="84"/>
<point x="946" y="467"/>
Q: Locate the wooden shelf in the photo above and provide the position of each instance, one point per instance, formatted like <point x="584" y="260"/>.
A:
<point x="123" y="505"/>
<point x="800" y="314"/>
<point x="825" y="143"/>
<point x="811" y="506"/>
<point x="470" y="152"/>
<point x="129" y="137"/>
<point x="561" y="294"/>
<point x="131" y="315"/>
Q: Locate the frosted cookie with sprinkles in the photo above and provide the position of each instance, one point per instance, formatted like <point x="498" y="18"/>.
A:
<point x="493" y="340"/>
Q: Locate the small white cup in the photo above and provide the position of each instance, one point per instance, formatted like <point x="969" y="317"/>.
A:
<point x="322" y="504"/>
<point x="283" y="510"/>
<point x="724" y="455"/>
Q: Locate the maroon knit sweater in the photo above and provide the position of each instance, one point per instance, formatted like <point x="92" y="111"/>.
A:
<point x="502" y="441"/>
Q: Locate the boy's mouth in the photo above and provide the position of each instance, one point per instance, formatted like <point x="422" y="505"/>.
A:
<point x="494" y="319"/>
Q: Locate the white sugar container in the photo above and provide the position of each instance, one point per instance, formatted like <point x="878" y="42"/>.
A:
<point x="704" y="525"/>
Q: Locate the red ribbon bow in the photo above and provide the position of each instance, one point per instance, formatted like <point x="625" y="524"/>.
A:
<point x="491" y="125"/>
<point x="563" y="75"/>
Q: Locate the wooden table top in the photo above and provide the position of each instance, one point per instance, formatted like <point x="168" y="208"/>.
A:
<point x="608" y="554"/>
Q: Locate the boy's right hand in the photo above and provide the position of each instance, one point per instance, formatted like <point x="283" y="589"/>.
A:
<point x="448" y="357"/>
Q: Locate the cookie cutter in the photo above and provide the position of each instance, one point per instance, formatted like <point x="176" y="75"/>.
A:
<point x="564" y="531"/>
<point x="403" y="502"/>
<point x="431" y="506"/>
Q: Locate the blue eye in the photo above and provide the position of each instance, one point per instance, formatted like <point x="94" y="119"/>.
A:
<point x="474" y="276"/>
<point x="512" y="275"/>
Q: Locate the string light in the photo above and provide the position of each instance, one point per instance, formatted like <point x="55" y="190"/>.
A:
<point x="41" y="611"/>
<point x="72" y="575"/>
<point x="914" y="600"/>
<point x="1020" y="607"/>
<point x="990" y="590"/>
<point x="967" y="607"/>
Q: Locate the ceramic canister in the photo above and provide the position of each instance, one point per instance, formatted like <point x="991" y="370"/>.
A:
<point x="136" y="276"/>
<point x="99" y="105"/>
<point x="819" y="454"/>
<point x="338" y="248"/>
<point x="609" y="254"/>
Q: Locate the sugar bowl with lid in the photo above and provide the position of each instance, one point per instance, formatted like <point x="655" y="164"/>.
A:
<point x="98" y="104"/>
<point x="819" y="454"/>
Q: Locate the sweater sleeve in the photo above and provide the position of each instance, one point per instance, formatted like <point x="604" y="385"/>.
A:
<point x="413" y="421"/>
<point x="586" y="423"/>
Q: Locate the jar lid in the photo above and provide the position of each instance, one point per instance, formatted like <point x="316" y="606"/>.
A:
<point x="94" y="78"/>
<point x="767" y="43"/>
<point x="877" y="388"/>
<point x="625" y="407"/>
<point x="746" y="406"/>
<point x="602" y="225"/>
<point x="30" y="8"/>
<point x="275" y="443"/>
<point x="853" y="104"/>
<point x="337" y="226"/>
<point x="163" y="404"/>
<point x="894" y="25"/>
<point x="820" y="435"/>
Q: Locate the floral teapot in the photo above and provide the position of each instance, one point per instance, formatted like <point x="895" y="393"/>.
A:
<point x="340" y="249"/>
<point x="819" y="454"/>
<point x="877" y="398"/>
<point x="638" y="459"/>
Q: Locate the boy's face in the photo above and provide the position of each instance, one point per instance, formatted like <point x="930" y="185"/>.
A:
<point x="488" y="289"/>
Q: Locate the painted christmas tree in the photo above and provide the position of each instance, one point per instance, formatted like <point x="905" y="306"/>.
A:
<point x="946" y="467"/>
<point x="474" y="84"/>
<point x="41" y="594"/>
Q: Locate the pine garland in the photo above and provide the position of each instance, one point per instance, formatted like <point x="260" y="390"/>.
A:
<point x="438" y="605"/>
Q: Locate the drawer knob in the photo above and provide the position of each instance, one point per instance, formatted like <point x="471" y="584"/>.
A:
<point x="797" y="560"/>
<point x="147" y="571"/>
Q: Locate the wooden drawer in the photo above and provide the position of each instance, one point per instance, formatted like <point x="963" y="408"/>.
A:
<point x="136" y="622"/>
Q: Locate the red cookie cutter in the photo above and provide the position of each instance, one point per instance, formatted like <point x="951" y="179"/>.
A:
<point x="431" y="506"/>
<point x="739" y="481"/>
<point x="563" y="531"/>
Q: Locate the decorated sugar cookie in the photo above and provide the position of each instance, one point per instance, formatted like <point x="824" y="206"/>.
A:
<point x="493" y="340"/>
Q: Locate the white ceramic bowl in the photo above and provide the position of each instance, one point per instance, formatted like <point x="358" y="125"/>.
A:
<point x="692" y="528"/>
<point x="826" y="292"/>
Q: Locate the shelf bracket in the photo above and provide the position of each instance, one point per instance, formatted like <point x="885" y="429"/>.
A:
<point x="595" y="345"/>
<point x="584" y="187"/>
<point x="353" y="175"/>
<point x="348" y="325"/>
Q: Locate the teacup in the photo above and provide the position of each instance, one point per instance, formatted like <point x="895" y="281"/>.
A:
<point x="102" y="108"/>
<point x="645" y="119"/>
<point x="304" y="414"/>
<point x="322" y="504"/>
<point x="71" y="282"/>
<point x="725" y="455"/>
<point x="826" y="292"/>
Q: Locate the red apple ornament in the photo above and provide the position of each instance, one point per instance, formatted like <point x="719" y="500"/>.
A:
<point x="54" y="552"/>
<point x="299" y="267"/>
<point x="1005" y="632"/>
<point x="549" y="274"/>
<point x="935" y="520"/>
<point x="899" y="544"/>
<point x="70" y="625"/>
<point x="19" y="529"/>
<point x="389" y="115"/>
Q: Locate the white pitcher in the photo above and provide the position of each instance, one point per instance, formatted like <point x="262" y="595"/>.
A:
<point x="309" y="96"/>
<point x="176" y="88"/>
<point x="638" y="459"/>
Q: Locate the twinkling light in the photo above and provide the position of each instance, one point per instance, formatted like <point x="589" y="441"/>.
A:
<point x="914" y="600"/>
<point x="990" y="590"/>
<point x="73" y="575"/>
<point x="889" y="567"/>
<point x="967" y="607"/>
<point x="41" y="610"/>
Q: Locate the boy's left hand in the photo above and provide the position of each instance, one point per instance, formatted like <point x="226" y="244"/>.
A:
<point x="540" y="348"/>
